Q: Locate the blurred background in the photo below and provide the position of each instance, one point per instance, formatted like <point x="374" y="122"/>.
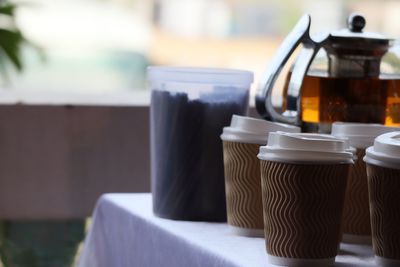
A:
<point x="104" y="46"/>
<point x="97" y="48"/>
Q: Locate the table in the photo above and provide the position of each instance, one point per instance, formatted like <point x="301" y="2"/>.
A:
<point x="125" y="232"/>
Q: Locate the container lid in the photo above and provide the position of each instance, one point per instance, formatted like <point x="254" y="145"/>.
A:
<point x="350" y="148"/>
<point x="360" y="135"/>
<point x="385" y="152"/>
<point x="305" y="148"/>
<point x="252" y="130"/>
<point x="199" y="75"/>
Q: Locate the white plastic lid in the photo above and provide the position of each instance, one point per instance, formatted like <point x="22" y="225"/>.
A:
<point x="361" y="135"/>
<point x="252" y="130"/>
<point x="346" y="141"/>
<point x="305" y="148"/>
<point x="386" y="151"/>
<point x="199" y="75"/>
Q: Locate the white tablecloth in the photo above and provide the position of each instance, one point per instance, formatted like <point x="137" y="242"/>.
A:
<point x="126" y="233"/>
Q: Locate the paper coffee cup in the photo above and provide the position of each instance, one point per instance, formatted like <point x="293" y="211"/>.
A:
<point x="356" y="224"/>
<point x="303" y="185"/>
<point x="241" y="142"/>
<point x="383" y="169"/>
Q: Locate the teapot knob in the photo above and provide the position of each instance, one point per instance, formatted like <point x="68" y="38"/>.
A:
<point x="356" y="22"/>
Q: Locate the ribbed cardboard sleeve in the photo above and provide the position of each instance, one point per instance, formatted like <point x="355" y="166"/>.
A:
<point x="243" y="185"/>
<point x="303" y="206"/>
<point x="384" y="196"/>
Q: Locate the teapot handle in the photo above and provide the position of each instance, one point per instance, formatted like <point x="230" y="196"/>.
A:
<point x="300" y="68"/>
<point x="299" y="34"/>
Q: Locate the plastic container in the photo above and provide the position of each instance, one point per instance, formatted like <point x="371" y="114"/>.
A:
<point x="189" y="108"/>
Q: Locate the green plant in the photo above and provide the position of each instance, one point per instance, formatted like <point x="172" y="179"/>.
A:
<point x="11" y="39"/>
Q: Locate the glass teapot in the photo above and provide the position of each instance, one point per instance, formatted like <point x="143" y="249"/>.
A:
<point x="347" y="75"/>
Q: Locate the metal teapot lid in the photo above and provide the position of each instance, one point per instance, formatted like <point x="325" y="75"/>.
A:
<point x="355" y="53"/>
<point x="355" y="26"/>
<point x="354" y="41"/>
